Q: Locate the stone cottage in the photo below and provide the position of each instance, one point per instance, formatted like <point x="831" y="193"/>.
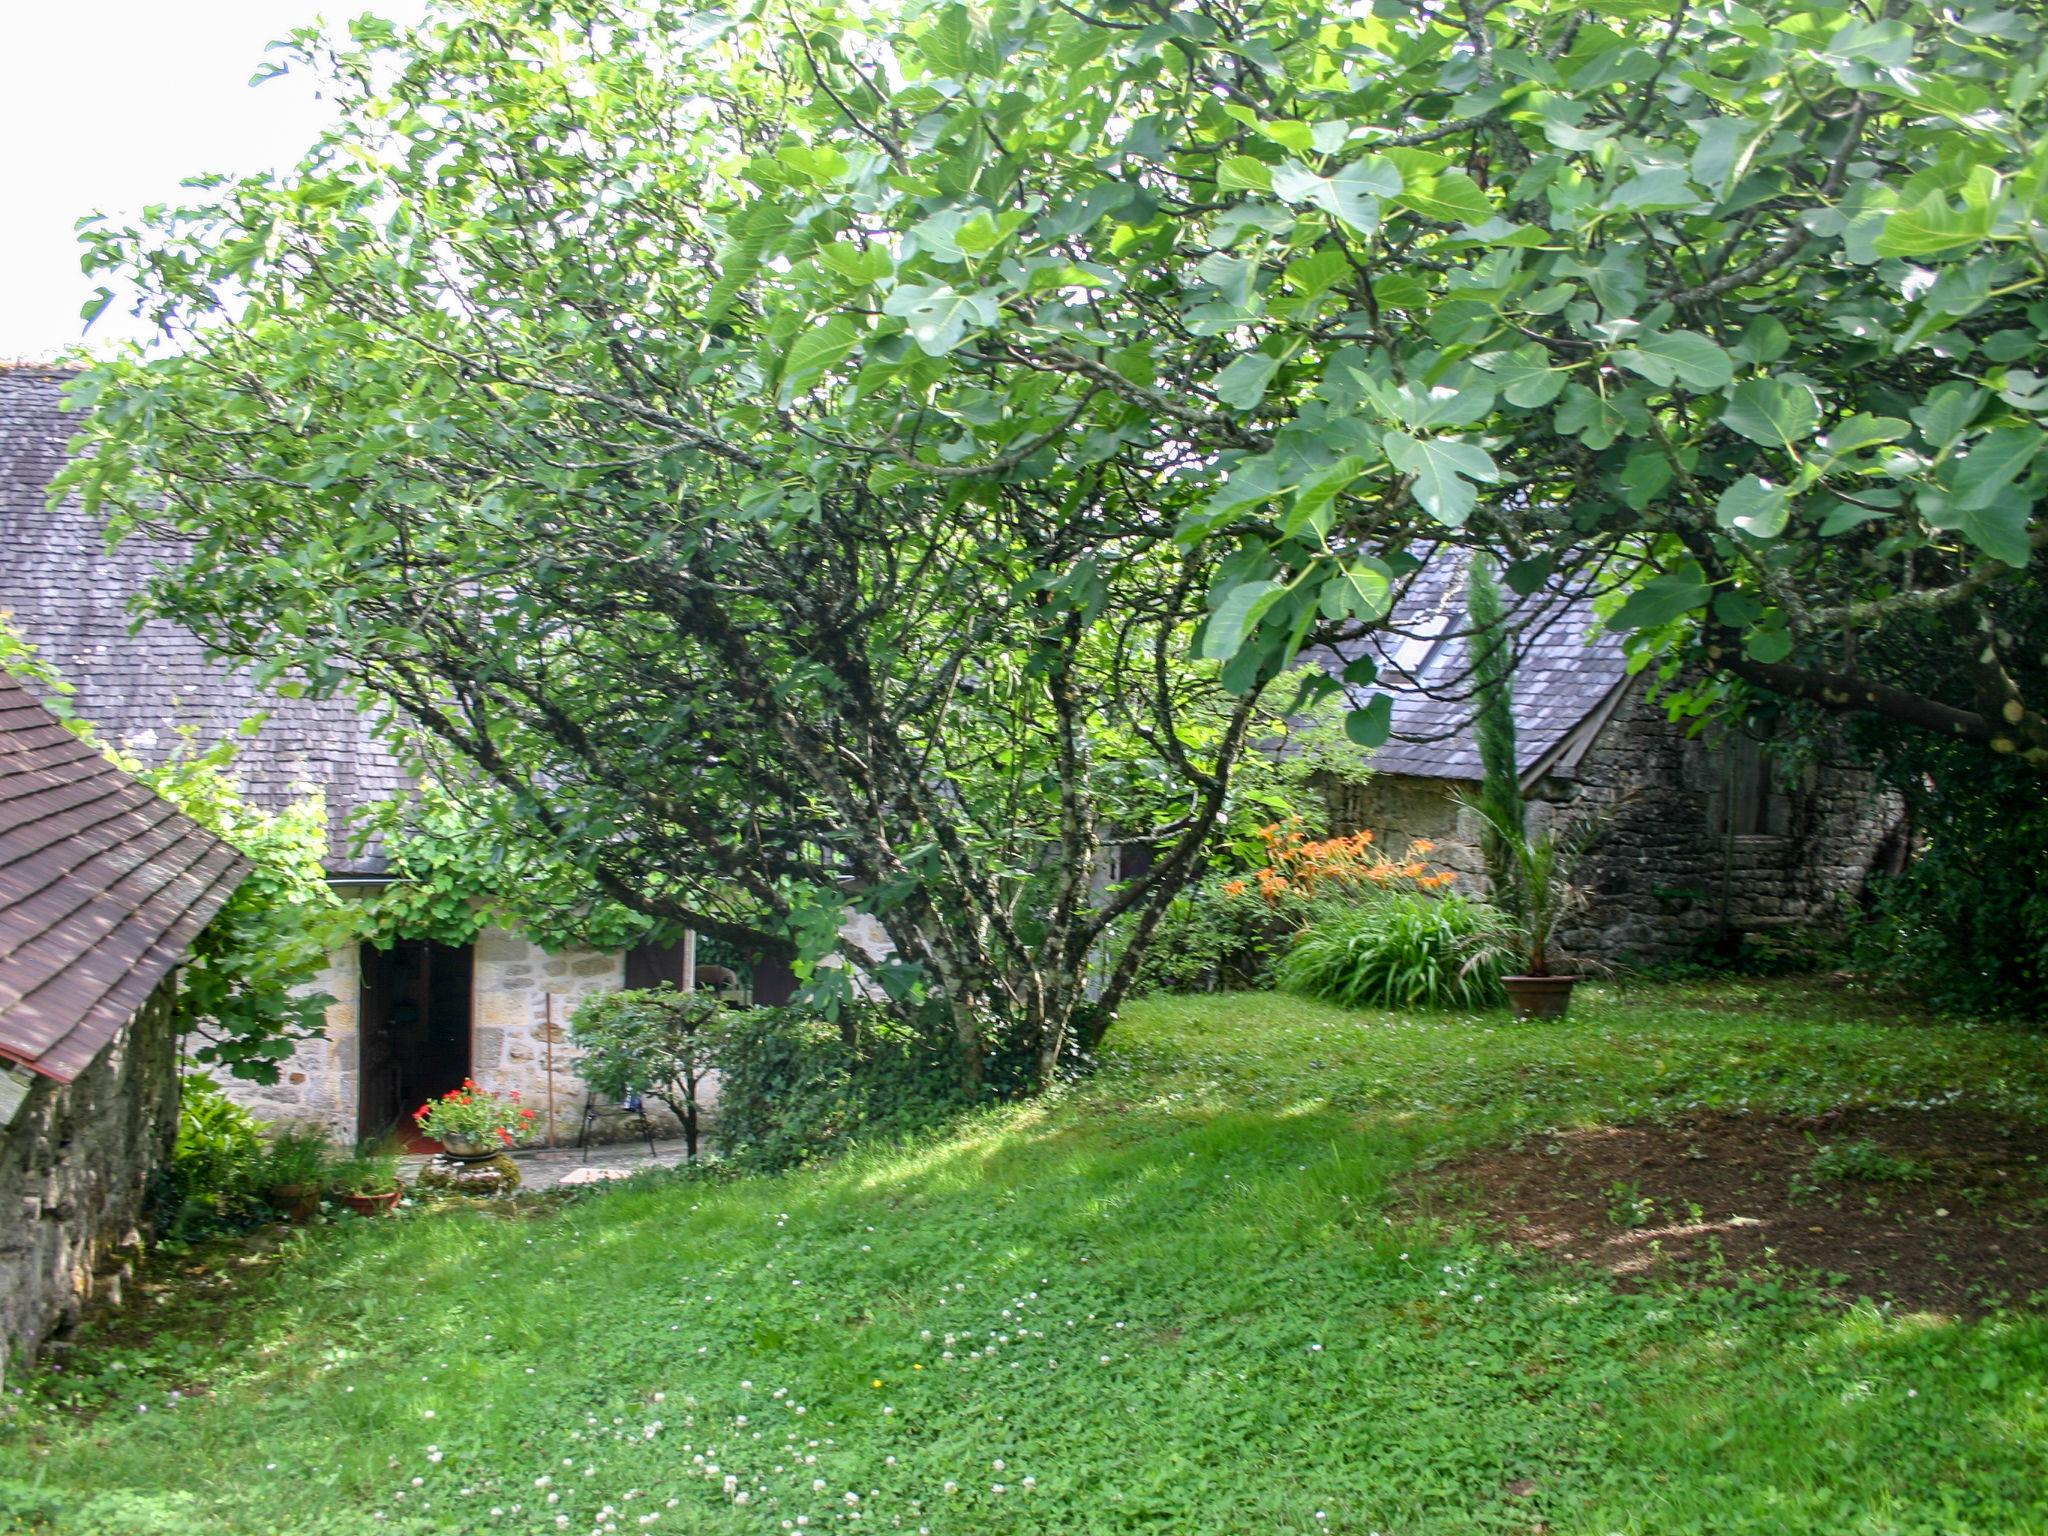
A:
<point x="102" y="887"/>
<point x="1708" y="840"/>
<point x="408" y="1021"/>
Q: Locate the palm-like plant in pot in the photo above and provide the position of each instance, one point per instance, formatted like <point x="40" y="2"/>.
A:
<point x="1530" y="873"/>
<point x="1540" y="868"/>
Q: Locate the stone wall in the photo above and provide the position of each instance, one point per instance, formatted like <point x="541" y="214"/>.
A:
<point x="1663" y="881"/>
<point x="509" y="1038"/>
<point x="74" y="1163"/>
<point x="316" y="1084"/>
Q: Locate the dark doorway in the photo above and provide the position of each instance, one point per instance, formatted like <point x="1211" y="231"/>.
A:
<point x="414" y="1030"/>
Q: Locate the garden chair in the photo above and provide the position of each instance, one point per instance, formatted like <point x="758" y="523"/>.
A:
<point x="595" y="1105"/>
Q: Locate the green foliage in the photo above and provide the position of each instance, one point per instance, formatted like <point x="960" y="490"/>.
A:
<point x="246" y="990"/>
<point x="660" y="1042"/>
<point x="214" y="1179"/>
<point x="462" y="861"/>
<point x="297" y="1159"/>
<point x="1965" y="924"/>
<point x="1218" y="936"/>
<point x="364" y="1173"/>
<point x="1233" y="1189"/>
<point x="793" y="1087"/>
<point x="1867" y="1162"/>
<point x="1541" y="866"/>
<point x="1402" y="949"/>
<point x="1628" y="1206"/>
<point x="654" y="1041"/>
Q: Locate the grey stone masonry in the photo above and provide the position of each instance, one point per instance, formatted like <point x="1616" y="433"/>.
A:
<point x="74" y="1165"/>
<point x="1690" y="850"/>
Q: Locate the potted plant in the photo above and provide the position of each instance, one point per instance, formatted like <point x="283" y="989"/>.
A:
<point x="1529" y="874"/>
<point x="366" y="1183"/>
<point x="473" y="1124"/>
<point x="294" y="1173"/>
<point x="1544" y="896"/>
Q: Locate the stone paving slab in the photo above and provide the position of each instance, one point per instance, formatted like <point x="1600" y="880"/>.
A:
<point x="562" y="1167"/>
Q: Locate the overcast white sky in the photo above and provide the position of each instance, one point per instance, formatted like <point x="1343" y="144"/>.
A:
<point x="108" y="105"/>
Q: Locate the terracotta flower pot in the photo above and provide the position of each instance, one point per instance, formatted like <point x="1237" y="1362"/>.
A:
<point x="378" y="1204"/>
<point x="294" y="1202"/>
<point x="1539" y="997"/>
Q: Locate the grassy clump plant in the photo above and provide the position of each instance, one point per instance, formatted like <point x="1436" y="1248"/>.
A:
<point x="366" y="1173"/>
<point x="1403" y="949"/>
<point x="297" y="1160"/>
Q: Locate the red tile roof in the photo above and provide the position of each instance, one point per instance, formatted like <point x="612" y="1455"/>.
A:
<point x="103" y="883"/>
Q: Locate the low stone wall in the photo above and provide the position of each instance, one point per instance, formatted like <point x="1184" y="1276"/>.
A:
<point x="74" y="1164"/>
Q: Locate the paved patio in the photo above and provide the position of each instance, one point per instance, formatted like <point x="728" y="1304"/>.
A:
<point x="553" y="1167"/>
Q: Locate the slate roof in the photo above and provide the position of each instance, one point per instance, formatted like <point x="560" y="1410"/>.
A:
<point x="70" y="598"/>
<point x="1568" y="677"/>
<point x="102" y="885"/>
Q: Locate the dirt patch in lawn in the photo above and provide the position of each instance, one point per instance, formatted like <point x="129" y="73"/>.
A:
<point x="1938" y="1210"/>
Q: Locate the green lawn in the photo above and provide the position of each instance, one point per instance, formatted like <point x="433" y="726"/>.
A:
<point x="1182" y="1297"/>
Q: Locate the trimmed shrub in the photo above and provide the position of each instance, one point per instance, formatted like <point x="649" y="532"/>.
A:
<point x="1213" y="939"/>
<point x="659" y="1042"/>
<point x="1965" y="924"/>
<point x="1406" y="949"/>
<point x="793" y="1087"/>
